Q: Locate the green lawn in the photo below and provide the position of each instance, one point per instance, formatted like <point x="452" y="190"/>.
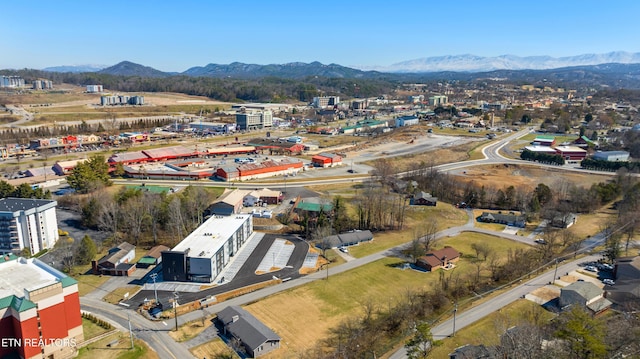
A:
<point x="91" y="330"/>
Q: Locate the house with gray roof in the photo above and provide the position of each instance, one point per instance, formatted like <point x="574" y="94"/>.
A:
<point x="584" y="294"/>
<point x="510" y="219"/>
<point x="256" y="338"/>
<point x="346" y="239"/>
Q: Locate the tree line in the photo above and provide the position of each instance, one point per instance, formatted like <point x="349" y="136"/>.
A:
<point x="267" y="89"/>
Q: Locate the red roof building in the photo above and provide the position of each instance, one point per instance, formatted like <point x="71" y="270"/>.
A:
<point x="260" y="170"/>
<point x="326" y="160"/>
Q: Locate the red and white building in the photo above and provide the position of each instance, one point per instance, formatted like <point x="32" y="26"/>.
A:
<point x="571" y="153"/>
<point x="269" y="168"/>
<point x="326" y="160"/>
<point x="39" y="310"/>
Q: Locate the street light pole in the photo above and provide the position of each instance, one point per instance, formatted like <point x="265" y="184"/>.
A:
<point x="175" y="308"/>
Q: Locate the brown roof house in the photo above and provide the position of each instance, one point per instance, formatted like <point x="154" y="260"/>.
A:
<point x="584" y="294"/>
<point x="423" y="199"/>
<point x="441" y="258"/>
<point x="117" y="261"/>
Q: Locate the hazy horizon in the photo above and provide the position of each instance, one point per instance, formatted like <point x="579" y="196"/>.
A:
<point x="172" y="36"/>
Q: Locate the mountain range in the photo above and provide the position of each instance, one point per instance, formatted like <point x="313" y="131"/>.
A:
<point x="454" y="63"/>
<point x="472" y="63"/>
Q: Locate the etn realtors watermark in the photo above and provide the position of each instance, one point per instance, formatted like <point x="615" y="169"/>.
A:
<point x="36" y="342"/>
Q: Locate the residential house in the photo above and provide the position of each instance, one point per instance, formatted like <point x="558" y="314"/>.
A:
<point x="510" y="219"/>
<point x="441" y="258"/>
<point x="256" y="338"/>
<point x="423" y="199"/>
<point x="117" y="262"/>
<point x="584" y="294"/>
<point x="564" y="220"/>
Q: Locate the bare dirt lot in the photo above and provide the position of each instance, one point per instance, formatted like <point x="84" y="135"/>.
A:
<point x="527" y="176"/>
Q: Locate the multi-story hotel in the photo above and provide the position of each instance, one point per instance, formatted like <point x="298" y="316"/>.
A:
<point x="27" y="223"/>
<point x="39" y="310"/>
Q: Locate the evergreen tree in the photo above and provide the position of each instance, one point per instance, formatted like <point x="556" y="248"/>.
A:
<point x="86" y="251"/>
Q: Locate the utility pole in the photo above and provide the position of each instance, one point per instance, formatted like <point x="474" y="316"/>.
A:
<point x="455" y="310"/>
<point x="154" y="276"/>
<point x="130" y="331"/>
<point x="555" y="272"/>
<point x="175" y="308"/>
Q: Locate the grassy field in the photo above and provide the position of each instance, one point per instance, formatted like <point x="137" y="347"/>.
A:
<point x="487" y="331"/>
<point x="192" y="329"/>
<point x="87" y="283"/>
<point x="326" y="303"/>
<point x="214" y="349"/>
<point x="91" y="330"/>
<point x="118" y="294"/>
<point x="121" y="350"/>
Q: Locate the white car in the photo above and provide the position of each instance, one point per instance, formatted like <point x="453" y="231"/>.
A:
<point x="608" y="281"/>
<point x="591" y="268"/>
<point x="344" y="249"/>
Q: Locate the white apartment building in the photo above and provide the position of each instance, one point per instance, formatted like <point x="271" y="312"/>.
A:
<point x="27" y="223"/>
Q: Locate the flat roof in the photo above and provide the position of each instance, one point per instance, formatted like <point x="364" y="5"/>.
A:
<point x="570" y="149"/>
<point x="205" y="240"/>
<point x="23" y="204"/>
<point x="30" y="274"/>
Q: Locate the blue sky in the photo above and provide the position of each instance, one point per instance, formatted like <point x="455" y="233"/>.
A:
<point x="177" y="35"/>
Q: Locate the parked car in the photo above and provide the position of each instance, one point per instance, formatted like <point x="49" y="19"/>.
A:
<point x="344" y="249"/>
<point x="608" y="281"/>
<point x="591" y="268"/>
<point x="540" y="241"/>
